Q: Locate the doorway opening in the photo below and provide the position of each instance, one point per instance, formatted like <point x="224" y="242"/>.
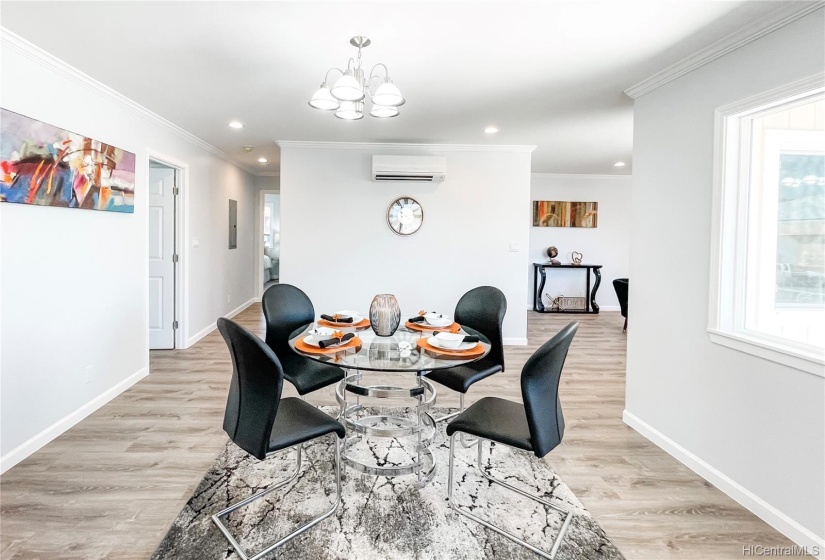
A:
<point x="271" y="238"/>
<point x="164" y="238"/>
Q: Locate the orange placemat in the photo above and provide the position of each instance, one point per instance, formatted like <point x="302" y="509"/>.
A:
<point x="451" y="354"/>
<point x="362" y="324"/>
<point x="423" y="327"/>
<point x="302" y="346"/>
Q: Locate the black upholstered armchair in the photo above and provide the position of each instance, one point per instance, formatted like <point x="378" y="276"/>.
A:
<point x="261" y="423"/>
<point x="287" y="309"/>
<point x="621" y="287"/>
<point x="536" y="426"/>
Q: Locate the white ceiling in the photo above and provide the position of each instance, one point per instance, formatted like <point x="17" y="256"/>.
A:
<point x="545" y="73"/>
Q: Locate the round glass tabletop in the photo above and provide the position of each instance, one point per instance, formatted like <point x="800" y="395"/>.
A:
<point x="398" y="352"/>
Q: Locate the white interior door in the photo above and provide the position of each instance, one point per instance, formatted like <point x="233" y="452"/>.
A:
<point x="161" y="258"/>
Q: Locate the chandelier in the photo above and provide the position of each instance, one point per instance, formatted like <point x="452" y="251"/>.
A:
<point x="348" y="94"/>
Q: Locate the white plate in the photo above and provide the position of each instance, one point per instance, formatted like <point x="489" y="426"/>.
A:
<point x="463" y="346"/>
<point x="313" y="340"/>
<point x="321" y="332"/>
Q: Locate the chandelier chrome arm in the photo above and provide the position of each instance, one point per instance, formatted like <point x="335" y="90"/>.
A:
<point x="326" y="76"/>
<point x="386" y="71"/>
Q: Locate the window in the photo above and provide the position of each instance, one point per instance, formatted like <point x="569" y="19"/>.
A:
<point x="768" y="255"/>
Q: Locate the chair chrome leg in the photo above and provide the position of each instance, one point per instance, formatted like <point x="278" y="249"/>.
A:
<point x="558" y="540"/>
<point x="453" y="414"/>
<point x="462" y="436"/>
<point x="305" y="527"/>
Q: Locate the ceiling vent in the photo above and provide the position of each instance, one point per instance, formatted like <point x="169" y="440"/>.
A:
<point x="420" y="169"/>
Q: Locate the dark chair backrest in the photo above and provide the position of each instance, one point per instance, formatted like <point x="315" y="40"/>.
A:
<point x="286" y="309"/>
<point x="483" y="309"/>
<point x="255" y="390"/>
<point x="540" y="390"/>
<point x="621" y="285"/>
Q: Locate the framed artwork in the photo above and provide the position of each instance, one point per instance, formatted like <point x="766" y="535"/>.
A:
<point x="45" y="165"/>
<point x="552" y="213"/>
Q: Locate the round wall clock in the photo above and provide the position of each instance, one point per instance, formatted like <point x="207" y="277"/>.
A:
<point x="405" y="216"/>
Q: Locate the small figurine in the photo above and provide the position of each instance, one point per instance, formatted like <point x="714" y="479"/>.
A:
<point x="552" y="252"/>
<point x="577" y="257"/>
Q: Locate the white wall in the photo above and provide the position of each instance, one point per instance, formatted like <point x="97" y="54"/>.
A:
<point x="754" y="428"/>
<point x="607" y="244"/>
<point x="74" y="282"/>
<point x="337" y="247"/>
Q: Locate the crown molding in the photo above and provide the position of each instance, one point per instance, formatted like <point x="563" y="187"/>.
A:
<point x="18" y="44"/>
<point x="780" y="17"/>
<point x="402" y="146"/>
<point x="578" y="176"/>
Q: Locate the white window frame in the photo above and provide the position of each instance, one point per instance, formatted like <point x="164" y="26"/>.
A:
<point x="730" y="229"/>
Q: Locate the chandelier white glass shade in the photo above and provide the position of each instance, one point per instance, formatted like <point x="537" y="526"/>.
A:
<point x="348" y="94"/>
<point x="350" y="110"/>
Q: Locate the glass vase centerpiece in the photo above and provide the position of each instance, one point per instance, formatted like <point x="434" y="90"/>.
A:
<point x="385" y="315"/>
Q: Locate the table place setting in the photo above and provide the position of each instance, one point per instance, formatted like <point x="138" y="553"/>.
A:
<point x="324" y="340"/>
<point x="431" y="321"/>
<point x="449" y="345"/>
<point x="344" y="319"/>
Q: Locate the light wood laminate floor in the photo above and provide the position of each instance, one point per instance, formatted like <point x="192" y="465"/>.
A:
<point x="111" y="486"/>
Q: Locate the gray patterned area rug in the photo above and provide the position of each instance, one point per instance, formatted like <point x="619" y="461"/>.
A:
<point x="382" y="518"/>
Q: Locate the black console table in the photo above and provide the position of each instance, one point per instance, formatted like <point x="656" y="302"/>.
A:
<point x="590" y="305"/>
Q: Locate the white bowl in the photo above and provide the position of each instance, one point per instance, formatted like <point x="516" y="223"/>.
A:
<point x="437" y="320"/>
<point x="321" y="332"/>
<point x="449" y="340"/>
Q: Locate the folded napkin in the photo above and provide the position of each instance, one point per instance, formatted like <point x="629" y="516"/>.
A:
<point x="418" y="319"/>
<point x="332" y="319"/>
<point x="335" y="341"/>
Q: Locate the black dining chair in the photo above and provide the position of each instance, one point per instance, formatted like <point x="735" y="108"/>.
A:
<point x="537" y="426"/>
<point x="621" y="287"/>
<point x="482" y="309"/>
<point x="287" y="309"/>
<point x="261" y="423"/>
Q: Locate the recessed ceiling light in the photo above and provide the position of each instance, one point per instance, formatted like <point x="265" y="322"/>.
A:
<point x="261" y="160"/>
<point x="619" y="164"/>
<point x="491" y="130"/>
<point x="236" y="124"/>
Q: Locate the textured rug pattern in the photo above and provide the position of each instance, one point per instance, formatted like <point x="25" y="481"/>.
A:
<point x="382" y="518"/>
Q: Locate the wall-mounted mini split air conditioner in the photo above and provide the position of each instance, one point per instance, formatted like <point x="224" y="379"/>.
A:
<point x="422" y="169"/>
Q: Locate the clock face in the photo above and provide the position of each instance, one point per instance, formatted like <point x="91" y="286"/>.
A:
<point x="405" y="216"/>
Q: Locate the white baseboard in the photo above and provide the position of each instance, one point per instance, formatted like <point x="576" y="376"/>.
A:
<point x="212" y="326"/>
<point x="26" y="448"/>
<point x="759" y="507"/>
<point x="513" y="341"/>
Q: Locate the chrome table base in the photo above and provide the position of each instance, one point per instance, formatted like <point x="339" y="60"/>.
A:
<point x="420" y="426"/>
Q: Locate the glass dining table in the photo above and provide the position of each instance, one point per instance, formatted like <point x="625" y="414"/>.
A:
<point x="393" y="439"/>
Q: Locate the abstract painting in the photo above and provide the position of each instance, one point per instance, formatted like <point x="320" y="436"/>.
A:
<point x="551" y="213"/>
<point x="48" y="166"/>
